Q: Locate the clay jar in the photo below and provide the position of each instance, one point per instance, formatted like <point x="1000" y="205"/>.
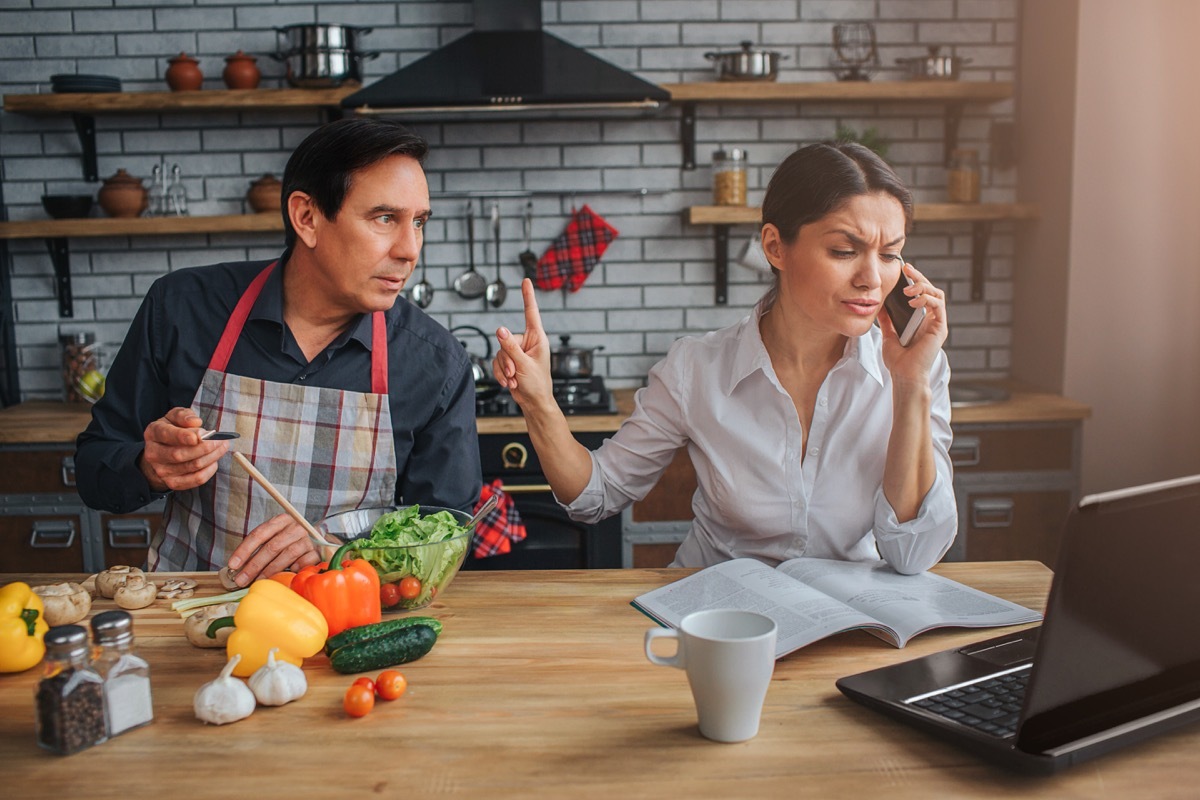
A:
<point x="265" y="194"/>
<point x="184" y="74"/>
<point x="123" y="195"/>
<point x="241" y="71"/>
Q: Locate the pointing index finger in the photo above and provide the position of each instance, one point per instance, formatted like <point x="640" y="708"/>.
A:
<point x="533" y="317"/>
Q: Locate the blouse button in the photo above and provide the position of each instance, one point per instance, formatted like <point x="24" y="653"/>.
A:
<point x="814" y="451"/>
<point x="824" y="401"/>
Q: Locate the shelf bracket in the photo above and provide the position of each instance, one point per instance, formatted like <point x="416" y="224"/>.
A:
<point x="687" y="135"/>
<point x="981" y="232"/>
<point x="954" y="113"/>
<point x="85" y="127"/>
<point x="721" y="275"/>
<point x="60" y="254"/>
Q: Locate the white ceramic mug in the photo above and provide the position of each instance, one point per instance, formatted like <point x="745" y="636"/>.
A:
<point x="729" y="656"/>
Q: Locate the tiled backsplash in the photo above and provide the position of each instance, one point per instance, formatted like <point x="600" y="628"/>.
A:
<point x="654" y="284"/>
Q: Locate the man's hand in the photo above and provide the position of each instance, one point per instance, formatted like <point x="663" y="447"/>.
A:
<point x="276" y="545"/>
<point x="175" y="457"/>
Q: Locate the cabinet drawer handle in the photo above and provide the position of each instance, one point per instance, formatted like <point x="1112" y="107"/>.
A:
<point x="525" y="488"/>
<point x="996" y="512"/>
<point x="965" y="451"/>
<point x="52" y="534"/>
<point x="129" y="534"/>
<point x="68" y="470"/>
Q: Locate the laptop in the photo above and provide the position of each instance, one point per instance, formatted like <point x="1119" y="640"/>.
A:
<point x="1115" y="661"/>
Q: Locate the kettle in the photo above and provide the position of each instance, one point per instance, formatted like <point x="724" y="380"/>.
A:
<point x="481" y="366"/>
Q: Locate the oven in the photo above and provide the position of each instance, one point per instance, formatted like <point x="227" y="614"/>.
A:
<point x="554" y="540"/>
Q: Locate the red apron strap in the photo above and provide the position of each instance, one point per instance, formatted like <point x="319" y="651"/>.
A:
<point x="379" y="359"/>
<point x="233" y="328"/>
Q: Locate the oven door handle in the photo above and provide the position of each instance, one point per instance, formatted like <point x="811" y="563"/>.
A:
<point x="525" y="488"/>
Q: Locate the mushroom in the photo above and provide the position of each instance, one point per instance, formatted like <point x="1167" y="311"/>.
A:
<point x="111" y="579"/>
<point x="136" y="592"/>
<point x="228" y="578"/>
<point x="65" y="603"/>
<point x="176" y="589"/>
<point x="195" y="627"/>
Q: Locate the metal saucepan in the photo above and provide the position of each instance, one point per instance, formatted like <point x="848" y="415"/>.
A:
<point x="933" y="67"/>
<point x="572" y="362"/>
<point x="321" y="36"/>
<point x="470" y="285"/>
<point x="747" y="64"/>
<point x="481" y="366"/>
<point x="322" y="68"/>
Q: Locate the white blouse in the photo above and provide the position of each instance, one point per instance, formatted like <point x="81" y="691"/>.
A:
<point x="719" y="396"/>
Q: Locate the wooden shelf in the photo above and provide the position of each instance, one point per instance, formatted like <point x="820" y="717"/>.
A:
<point x="922" y="212"/>
<point x="140" y="226"/>
<point x="202" y="100"/>
<point x="840" y="91"/>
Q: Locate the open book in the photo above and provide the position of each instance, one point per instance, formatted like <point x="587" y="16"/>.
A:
<point x="811" y="598"/>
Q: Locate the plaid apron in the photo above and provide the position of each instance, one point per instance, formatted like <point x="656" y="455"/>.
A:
<point x="326" y="450"/>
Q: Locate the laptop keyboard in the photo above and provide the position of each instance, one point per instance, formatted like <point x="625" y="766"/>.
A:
<point x="992" y="705"/>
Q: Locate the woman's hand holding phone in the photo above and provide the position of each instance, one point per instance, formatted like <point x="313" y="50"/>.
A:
<point x="915" y="326"/>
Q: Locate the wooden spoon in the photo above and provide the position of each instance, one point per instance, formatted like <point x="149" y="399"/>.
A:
<point x="262" y="481"/>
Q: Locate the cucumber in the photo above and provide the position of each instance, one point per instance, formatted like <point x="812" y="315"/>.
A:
<point x="374" y="630"/>
<point x="399" y="647"/>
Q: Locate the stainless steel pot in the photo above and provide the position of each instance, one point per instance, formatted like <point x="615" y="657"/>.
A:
<point x="481" y="366"/>
<point x="747" y="64"/>
<point x="321" y="37"/>
<point x="933" y="67"/>
<point x="323" y="68"/>
<point x="572" y="362"/>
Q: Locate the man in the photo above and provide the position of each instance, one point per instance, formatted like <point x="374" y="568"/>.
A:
<point x="343" y="397"/>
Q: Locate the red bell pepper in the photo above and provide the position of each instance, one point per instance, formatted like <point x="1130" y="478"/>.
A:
<point x="347" y="593"/>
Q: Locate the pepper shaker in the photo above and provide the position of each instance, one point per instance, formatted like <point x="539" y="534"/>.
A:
<point x="70" y="696"/>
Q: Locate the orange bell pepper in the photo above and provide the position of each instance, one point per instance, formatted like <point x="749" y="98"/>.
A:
<point x="347" y="592"/>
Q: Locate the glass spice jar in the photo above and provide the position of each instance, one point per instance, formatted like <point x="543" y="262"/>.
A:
<point x="962" y="177"/>
<point x="70" y="696"/>
<point x="80" y="365"/>
<point x="729" y="177"/>
<point x="127" y="699"/>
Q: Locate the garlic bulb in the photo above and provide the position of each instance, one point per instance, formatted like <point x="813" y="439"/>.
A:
<point x="276" y="683"/>
<point x="225" y="699"/>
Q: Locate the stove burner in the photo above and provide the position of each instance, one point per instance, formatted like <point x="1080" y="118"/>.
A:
<point x="574" y="396"/>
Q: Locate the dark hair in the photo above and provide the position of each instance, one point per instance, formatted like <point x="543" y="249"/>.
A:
<point x="323" y="165"/>
<point x="818" y="179"/>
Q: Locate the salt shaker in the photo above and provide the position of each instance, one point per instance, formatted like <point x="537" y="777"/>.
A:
<point x="127" y="701"/>
<point x="729" y="177"/>
<point x="70" y="696"/>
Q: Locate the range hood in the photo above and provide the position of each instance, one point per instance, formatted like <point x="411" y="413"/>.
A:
<point x="508" y="65"/>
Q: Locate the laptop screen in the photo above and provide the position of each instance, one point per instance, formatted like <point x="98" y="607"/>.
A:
<point x="1119" y="641"/>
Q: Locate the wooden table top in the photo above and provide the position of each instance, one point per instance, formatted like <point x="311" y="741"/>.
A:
<point x="538" y="687"/>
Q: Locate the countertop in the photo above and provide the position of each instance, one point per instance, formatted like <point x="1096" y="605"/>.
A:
<point x="45" y="422"/>
<point x="538" y="687"/>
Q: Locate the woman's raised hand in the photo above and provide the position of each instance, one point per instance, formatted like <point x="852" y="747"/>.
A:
<point x="522" y="364"/>
<point x="914" y="362"/>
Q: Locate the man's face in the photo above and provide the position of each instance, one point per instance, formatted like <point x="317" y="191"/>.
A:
<point x="368" y="251"/>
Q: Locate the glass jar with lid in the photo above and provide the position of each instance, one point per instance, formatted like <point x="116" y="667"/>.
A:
<point x="70" y="696"/>
<point x="127" y="700"/>
<point x="962" y="177"/>
<point x="729" y="177"/>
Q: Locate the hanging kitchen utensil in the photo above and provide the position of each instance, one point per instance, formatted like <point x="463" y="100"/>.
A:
<point x="528" y="258"/>
<point x="572" y="256"/>
<point x="496" y="290"/>
<point x="422" y="292"/>
<point x="470" y="285"/>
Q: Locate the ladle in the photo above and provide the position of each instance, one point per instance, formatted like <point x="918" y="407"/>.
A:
<point x="496" y="290"/>
<point x="422" y="291"/>
<point x="470" y="284"/>
<point x="529" y="259"/>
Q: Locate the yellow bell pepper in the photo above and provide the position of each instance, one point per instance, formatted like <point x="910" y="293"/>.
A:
<point x="272" y="616"/>
<point x="22" y="626"/>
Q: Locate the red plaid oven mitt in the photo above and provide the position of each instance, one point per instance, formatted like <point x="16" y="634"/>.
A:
<point x="571" y="257"/>
<point x="496" y="532"/>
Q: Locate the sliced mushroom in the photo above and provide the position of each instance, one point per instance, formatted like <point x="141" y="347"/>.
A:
<point x="195" y="627"/>
<point x="136" y="592"/>
<point x="227" y="576"/>
<point x="111" y="579"/>
<point x="176" y="588"/>
<point x="65" y="603"/>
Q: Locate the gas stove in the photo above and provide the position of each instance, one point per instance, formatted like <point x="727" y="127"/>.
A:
<point x="575" y="396"/>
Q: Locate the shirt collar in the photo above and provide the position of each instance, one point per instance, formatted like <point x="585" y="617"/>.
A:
<point x="269" y="307"/>
<point x="750" y="355"/>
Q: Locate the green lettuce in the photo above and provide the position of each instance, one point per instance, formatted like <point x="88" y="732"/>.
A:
<point x="389" y="548"/>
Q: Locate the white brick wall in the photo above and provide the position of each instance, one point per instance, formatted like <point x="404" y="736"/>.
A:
<point x="655" y="282"/>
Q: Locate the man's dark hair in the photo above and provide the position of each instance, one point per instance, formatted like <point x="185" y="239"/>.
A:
<point x="323" y="165"/>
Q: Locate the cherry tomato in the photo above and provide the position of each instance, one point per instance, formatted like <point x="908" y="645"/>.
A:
<point x="365" y="681"/>
<point x="390" y="684"/>
<point x="389" y="594"/>
<point x="359" y="700"/>
<point x="410" y="588"/>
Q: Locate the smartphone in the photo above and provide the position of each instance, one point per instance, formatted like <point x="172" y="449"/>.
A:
<point x="905" y="318"/>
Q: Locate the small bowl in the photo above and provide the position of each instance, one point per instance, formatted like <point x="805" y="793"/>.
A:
<point x="67" y="206"/>
<point x="432" y="564"/>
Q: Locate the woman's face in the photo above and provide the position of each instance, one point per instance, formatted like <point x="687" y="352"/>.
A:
<point x="834" y="275"/>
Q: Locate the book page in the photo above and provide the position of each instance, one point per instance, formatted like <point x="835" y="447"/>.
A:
<point x="909" y="604"/>
<point x="802" y="613"/>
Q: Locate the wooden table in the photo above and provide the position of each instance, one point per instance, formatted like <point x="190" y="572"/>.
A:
<point x="538" y="688"/>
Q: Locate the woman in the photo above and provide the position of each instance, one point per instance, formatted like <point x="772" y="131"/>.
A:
<point x="812" y="431"/>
